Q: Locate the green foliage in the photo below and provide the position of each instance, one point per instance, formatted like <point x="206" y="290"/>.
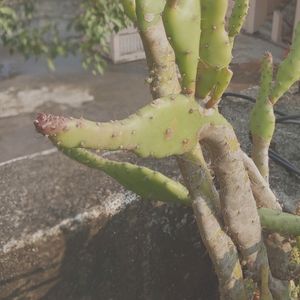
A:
<point x="87" y="33"/>
<point x="94" y="24"/>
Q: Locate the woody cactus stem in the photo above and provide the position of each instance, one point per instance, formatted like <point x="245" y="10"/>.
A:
<point x="237" y="18"/>
<point x="289" y="70"/>
<point x="184" y="39"/>
<point x="160" y="55"/>
<point x="262" y="119"/>
<point x="206" y="207"/>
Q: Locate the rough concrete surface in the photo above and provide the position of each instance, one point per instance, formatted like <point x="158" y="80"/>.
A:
<point x="69" y="232"/>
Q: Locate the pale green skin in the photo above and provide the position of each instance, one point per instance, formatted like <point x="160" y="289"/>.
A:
<point x="262" y="119"/>
<point x="143" y="181"/>
<point x="213" y="76"/>
<point x="148" y="12"/>
<point x="129" y="9"/>
<point x="215" y="46"/>
<point x="237" y="18"/>
<point x="185" y="40"/>
<point x="173" y="122"/>
<point x="288" y="71"/>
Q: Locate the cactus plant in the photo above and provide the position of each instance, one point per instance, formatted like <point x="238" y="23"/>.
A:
<point x="184" y="116"/>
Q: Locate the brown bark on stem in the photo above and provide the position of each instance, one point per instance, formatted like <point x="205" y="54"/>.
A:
<point x="221" y="249"/>
<point x="237" y="201"/>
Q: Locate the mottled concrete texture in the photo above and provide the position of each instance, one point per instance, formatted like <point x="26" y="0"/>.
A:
<point x="68" y="232"/>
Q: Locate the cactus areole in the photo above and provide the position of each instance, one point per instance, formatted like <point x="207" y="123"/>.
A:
<point x="188" y="46"/>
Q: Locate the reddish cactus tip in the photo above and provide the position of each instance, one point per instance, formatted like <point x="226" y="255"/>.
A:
<point x="48" y="124"/>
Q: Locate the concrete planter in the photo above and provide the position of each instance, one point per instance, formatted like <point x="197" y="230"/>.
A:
<point x="68" y="232"/>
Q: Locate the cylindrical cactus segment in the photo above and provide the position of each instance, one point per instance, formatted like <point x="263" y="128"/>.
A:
<point x="148" y="12"/>
<point x="223" y="79"/>
<point x="237" y="18"/>
<point x="182" y="24"/>
<point x="215" y="46"/>
<point x="160" y="56"/>
<point x="172" y="122"/>
<point x="206" y="79"/>
<point x="129" y="9"/>
<point x="262" y="119"/>
<point x="143" y="181"/>
<point x="277" y="221"/>
<point x="289" y="70"/>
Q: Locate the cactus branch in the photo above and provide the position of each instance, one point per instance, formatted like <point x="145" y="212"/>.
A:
<point x="143" y="181"/>
<point x="129" y="9"/>
<point x="206" y="208"/>
<point x="262" y="119"/>
<point x="159" y="53"/>
<point x="237" y="201"/>
<point x="153" y="185"/>
<point x="262" y="193"/>
<point x="223" y="79"/>
<point x="280" y="222"/>
<point x="172" y="122"/>
<point x="175" y="14"/>
<point x="237" y="18"/>
<point x="289" y="70"/>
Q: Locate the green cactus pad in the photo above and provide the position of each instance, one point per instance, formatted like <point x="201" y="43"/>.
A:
<point x="237" y="18"/>
<point x="206" y="79"/>
<point x="182" y="21"/>
<point x="289" y="70"/>
<point x="262" y="119"/>
<point x="143" y="181"/>
<point x="167" y="126"/>
<point x="215" y="46"/>
<point x="223" y="79"/>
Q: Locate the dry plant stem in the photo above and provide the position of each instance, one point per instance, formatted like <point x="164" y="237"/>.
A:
<point x="205" y="203"/>
<point x="262" y="193"/>
<point x="204" y="177"/>
<point x="265" y="198"/>
<point x="237" y="201"/>
<point x="159" y="53"/>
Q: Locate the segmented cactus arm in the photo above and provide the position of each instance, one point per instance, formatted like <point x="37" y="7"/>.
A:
<point x="237" y="18"/>
<point x="143" y="181"/>
<point x="181" y="21"/>
<point x="289" y="70"/>
<point x="262" y="119"/>
<point x="173" y="122"/>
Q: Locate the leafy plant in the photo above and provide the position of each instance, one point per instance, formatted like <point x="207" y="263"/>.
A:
<point x="183" y="119"/>
<point x="24" y="30"/>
